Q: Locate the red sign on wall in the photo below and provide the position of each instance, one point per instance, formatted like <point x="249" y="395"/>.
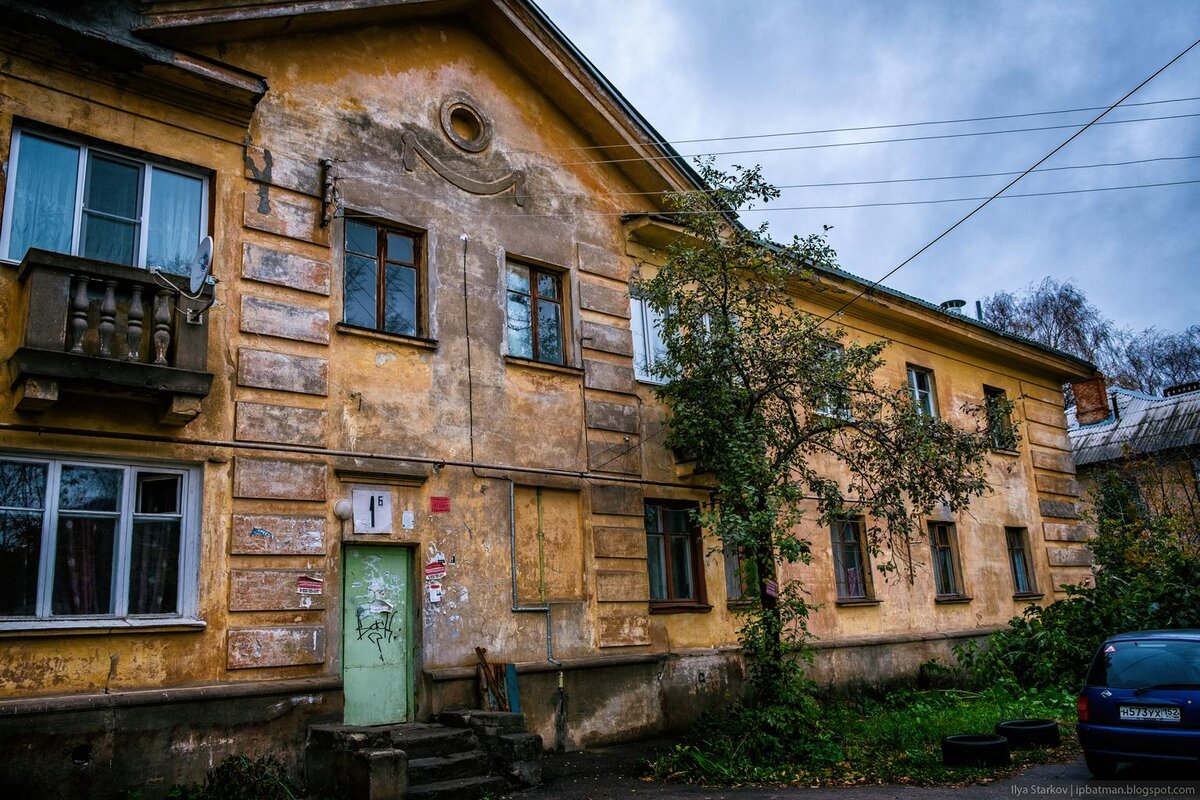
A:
<point x="439" y="505"/>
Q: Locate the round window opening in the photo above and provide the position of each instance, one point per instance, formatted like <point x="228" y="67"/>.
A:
<point x="465" y="125"/>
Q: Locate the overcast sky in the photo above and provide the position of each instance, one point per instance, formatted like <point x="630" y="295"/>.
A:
<point x="725" y="68"/>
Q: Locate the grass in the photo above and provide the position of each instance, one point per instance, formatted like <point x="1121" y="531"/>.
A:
<point x="893" y="738"/>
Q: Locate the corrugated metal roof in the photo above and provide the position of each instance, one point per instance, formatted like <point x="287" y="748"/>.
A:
<point x="1142" y="423"/>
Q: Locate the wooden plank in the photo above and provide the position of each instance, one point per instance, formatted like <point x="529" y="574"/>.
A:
<point x="285" y="320"/>
<point x="274" y="169"/>
<point x="1046" y="413"/>
<point x="623" y="458"/>
<point x="268" y="265"/>
<point x="288" y="373"/>
<point x="1066" y="532"/>
<point x="621" y="586"/>
<point x="611" y="542"/>
<point x="618" y="500"/>
<point x="607" y="338"/>
<point x="282" y="646"/>
<point x="617" y="417"/>
<point x="604" y="299"/>
<point x="1054" y="484"/>
<point x="624" y="631"/>
<point x="296" y="217"/>
<point x="604" y="262"/>
<point x="278" y="534"/>
<point x="1045" y="394"/>
<point x="264" y="422"/>
<point x="1054" y="460"/>
<point x="275" y="590"/>
<point x="272" y="479"/>
<point x="1069" y="556"/>
<point x="1062" y="509"/>
<point x="1046" y="436"/>
<point x="608" y="377"/>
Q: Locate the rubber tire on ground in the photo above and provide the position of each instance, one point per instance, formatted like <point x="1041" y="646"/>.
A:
<point x="1029" y="732"/>
<point x="1101" y="767"/>
<point x="975" y="750"/>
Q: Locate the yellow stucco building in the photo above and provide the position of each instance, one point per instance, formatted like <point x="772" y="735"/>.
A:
<point x="407" y="419"/>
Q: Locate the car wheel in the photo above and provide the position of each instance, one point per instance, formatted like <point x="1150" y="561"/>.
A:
<point x="975" y="750"/>
<point x="1029" y="732"/>
<point x="1102" y="767"/>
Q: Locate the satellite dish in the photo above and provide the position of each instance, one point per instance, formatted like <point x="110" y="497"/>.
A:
<point x="200" y="266"/>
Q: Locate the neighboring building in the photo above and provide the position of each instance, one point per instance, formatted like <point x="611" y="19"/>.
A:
<point x="426" y="215"/>
<point x="1153" y="441"/>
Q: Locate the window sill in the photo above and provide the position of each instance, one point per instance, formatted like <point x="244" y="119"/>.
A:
<point x="384" y="336"/>
<point x="74" y="627"/>
<point x="950" y="599"/>
<point x="858" y="601"/>
<point x="562" y="369"/>
<point x="679" y="607"/>
<point x="1028" y="595"/>
<point x="1004" y="451"/>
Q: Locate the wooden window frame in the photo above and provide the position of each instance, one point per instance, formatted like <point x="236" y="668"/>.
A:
<point x="958" y="591"/>
<point x="535" y="299"/>
<point x="911" y="371"/>
<point x="1001" y="432"/>
<point x="839" y="568"/>
<point x="695" y="553"/>
<point x="1022" y="541"/>
<point x="382" y="229"/>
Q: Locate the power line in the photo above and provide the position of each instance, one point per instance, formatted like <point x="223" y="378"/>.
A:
<point x="507" y="198"/>
<point x="854" y="129"/>
<point x="352" y="215"/>
<point x="802" y="147"/>
<point x="1007" y="186"/>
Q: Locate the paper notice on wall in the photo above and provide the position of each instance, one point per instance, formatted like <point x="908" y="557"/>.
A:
<point x="439" y="505"/>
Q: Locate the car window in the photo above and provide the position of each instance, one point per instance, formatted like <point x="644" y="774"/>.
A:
<point x="1143" y="662"/>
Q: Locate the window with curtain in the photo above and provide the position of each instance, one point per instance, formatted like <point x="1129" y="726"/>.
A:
<point x="1018" y="561"/>
<point x="920" y="384"/>
<point x="95" y="540"/>
<point x="81" y="199"/>
<point x="947" y="574"/>
<point x="675" y="559"/>
<point x="648" y="346"/>
<point x="851" y="564"/>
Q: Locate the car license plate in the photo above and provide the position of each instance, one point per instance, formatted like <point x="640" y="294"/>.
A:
<point x="1149" y="713"/>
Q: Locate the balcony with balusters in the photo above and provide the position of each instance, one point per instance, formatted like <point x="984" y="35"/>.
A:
<point x="97" y="327"/>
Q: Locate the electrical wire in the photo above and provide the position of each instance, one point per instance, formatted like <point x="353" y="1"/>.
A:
<point x="854" y="129"/>
<point x="802" y="147"/>
<point x="574" y="213"/>
<point x="507" y="198"/>
<point x="1095" y="121"/>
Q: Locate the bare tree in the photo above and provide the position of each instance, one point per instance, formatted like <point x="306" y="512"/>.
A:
<point x="1059" y="315"/>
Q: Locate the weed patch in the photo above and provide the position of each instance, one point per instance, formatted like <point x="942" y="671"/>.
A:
<point x="891" y="738"/>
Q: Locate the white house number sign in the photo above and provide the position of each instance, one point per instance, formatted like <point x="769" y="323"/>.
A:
<point x="372" y="511"/>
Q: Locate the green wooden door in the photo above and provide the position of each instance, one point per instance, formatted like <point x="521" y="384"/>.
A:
<point x="375" y="630"/>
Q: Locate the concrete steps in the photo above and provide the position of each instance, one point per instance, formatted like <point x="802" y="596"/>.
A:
<point x="464" y="756"/>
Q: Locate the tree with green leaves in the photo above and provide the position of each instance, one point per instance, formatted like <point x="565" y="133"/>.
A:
<point x="788" y="414"/>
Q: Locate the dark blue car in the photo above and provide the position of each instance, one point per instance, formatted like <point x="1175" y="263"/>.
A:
<point x="1141" y="701"/>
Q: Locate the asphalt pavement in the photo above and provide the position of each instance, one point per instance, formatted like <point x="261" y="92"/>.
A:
<point x="608" y="773"/>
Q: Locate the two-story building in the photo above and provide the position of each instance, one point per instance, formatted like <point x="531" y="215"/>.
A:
<point x="409" y="418"/>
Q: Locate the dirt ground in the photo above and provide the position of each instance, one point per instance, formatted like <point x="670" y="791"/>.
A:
<point x="612" y="772"/>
